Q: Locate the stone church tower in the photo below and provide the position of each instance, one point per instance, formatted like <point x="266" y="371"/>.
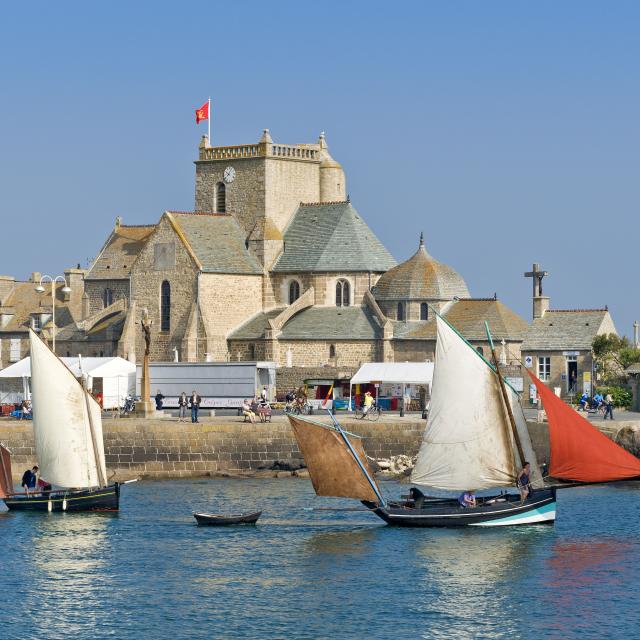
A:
<point x="263" y="184"/>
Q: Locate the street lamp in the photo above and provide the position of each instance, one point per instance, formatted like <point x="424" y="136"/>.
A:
<point x="66" y="289"/>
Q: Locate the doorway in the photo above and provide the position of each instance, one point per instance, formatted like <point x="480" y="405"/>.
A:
<point x="572" y="374"/>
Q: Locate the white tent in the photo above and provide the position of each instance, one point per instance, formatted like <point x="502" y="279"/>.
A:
<point x="117" y="374"/>
<point x="403" y="373"/>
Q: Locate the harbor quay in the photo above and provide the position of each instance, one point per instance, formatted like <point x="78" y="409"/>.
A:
<point x="226" y="446"/>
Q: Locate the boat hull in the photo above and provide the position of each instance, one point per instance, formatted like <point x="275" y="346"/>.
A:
<point x="106" y="499"/>
<point x="217" y="520"/>
<point x="507" y="511"/>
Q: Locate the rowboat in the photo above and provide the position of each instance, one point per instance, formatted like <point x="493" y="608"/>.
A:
<point x="220" y="519"/>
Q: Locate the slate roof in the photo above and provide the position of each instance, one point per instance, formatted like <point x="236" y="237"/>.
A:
<point x="421" y="277"/>
<point x="331" y="323"/>
<point x="217" y="241"/>
<point x="329" y="237"/>
<point x="633" y="369"/>
<point x="255" y="327"/>
<point x="119" y="252"/>
<point x="25" y="300"/>
<point x="468" y="317"/>
<point x="565" y="329"/>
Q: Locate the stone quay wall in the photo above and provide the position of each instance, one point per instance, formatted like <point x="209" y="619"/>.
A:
<point x="166" y="449"/>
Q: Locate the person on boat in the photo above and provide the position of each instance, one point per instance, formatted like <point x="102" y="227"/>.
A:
<point x="247" y="411"/>
<point x="523" y="482"/>
<point x="608" y="406"/>
<point x="159" y="398"/>
<point x="30" y="479"/>
<point x="368" y="403"/>
<point x="183" y="403"/>
<point x="194" y="401"/>
<point x="467" y="499"/>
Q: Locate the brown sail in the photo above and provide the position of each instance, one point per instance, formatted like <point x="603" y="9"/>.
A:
<point x="6" y="482"/>
<point x="332" y="467"/>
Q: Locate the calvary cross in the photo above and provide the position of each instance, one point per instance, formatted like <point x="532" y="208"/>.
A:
<point x="537" y="276"/>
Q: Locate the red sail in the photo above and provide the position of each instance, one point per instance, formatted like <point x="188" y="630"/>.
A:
<point x="579" y="451"/>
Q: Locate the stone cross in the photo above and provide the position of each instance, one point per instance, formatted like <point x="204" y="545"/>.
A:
<point x="537" y="276"/>
<point x="503" y="352"/>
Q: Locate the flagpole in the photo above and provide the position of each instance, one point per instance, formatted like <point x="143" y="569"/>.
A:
<point x="209" y="122"/>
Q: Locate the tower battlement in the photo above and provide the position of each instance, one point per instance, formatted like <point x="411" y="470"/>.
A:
<point x="304" y="152"/>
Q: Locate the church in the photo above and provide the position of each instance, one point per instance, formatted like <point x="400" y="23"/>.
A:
<point x="275" y="263"/>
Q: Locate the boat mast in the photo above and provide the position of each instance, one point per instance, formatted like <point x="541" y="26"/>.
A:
<point x="505" y="397"/>
<point x="94" y="441"/>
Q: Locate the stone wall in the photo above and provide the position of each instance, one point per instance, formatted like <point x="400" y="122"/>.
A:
<point x="147" y="276"/>
<point x="163" y="449"/>
<point x="315" y="353"/>
<point x="95" y="292"/>
<point x="559" y="368"/>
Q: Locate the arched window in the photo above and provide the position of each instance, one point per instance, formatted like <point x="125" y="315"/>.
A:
<point x="332" y="351"/>
<point x="343" y="294"/>
<point x="294" y="291"/>
<point x="221" y="198"/>
<point x="424" y="311"/>
<point x="400" y="311"/>
<point x="107" y="298"/>
<point x="480" y="350"/>
<point x="165" y="306"/>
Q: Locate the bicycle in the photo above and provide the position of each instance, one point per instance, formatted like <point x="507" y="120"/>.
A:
<point x="373" y="413"/>
<point x="298" y="409"/>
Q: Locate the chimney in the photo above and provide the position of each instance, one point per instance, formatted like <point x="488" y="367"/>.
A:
<point x="636" y="341"/>
<point x="35" y="277"/>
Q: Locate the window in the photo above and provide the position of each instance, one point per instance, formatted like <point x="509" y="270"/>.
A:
<point x="252" y="352"/>
<point x="14" y="349"/>
<point x="165" y="306"/>
<point x="544" y="367"/>
<point x="400" y="315"/>
<point x="332" y="351"/>
<point x="107" y="298"/>
<point x="294" y="291"/>
<point x="221" y="198"/>
<point x="36" y="324"/>
<point x="343" y="294"/>
<point x="424" y="311"/>
<point x="480" y="350"/>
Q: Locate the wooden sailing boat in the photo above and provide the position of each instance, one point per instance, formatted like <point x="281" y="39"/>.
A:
<point x="67" y="428"/>
<point x="476" y="438"/>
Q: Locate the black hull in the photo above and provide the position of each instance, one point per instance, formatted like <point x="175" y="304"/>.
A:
<point x="212" y="519"/>
<point x="508" y="510"/>
<point x="107" y="499"/>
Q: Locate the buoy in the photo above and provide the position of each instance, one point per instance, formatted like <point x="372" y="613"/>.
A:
<point x="64" y="504"/>
<point x="49" y="506"/>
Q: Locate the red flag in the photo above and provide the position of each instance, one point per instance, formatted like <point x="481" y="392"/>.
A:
<point x="202" y="113"/>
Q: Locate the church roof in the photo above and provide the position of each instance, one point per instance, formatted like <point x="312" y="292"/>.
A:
<point x="331" y="323"/>
<point x="119" y="252"/>
<point x="314" y="323"/>
<point x="331" y="237"/>
<point x="570" y="329"/>
<point x="217" y="242"/>
<point x="421" y="277"/>
<point x="468" y="317"/>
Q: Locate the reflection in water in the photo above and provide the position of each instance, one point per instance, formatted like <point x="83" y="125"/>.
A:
<point x="467" y="573"/>
<point x="581" y="576"/>
<point x="66" y="561"/>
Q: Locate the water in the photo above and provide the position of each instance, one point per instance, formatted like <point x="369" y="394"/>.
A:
<point x="149" y="572"/>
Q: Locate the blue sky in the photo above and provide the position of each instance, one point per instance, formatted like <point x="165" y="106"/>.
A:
<point x="507" y="131"/>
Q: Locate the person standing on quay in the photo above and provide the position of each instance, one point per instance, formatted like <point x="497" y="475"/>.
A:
<point x="194" y="401"/>
<point x="183" y="402"/>
<point x="608" y="406"/>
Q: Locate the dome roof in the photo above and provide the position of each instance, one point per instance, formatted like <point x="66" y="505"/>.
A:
<point x="421" y="277"/>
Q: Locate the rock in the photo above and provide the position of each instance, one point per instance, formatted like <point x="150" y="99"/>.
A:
<point x="383" y="464"/>
<point x="629" y="439"/>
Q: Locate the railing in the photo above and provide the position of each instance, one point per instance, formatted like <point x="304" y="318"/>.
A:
<point x="307" y="152"/>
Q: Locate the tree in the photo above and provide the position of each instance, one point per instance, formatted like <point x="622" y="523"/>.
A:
<point x="613" y="354"/>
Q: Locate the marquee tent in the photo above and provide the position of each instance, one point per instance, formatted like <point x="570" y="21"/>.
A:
<point x="113" y="377"/>
<point x="404" y="373"/>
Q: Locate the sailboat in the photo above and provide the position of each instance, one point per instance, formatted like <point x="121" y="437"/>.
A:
<point x="67" y="428"/>
<point x="476" y="438"/>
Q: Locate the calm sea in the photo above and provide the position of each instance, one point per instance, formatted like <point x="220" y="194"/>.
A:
<point x="149" y="572"/>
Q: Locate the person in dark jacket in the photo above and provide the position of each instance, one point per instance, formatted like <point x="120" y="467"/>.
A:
<point x="194" y="403"/>
<point x="159" y="398"/>
<point x="30" y="479"/>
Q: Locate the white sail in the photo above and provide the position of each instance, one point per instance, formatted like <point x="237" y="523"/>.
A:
<point x="525" y="440"/>
<point x="467" y="442"/>
<point x="61" y="423"/>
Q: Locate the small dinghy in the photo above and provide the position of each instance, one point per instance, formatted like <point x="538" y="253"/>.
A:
<point x="220" y="519"/>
